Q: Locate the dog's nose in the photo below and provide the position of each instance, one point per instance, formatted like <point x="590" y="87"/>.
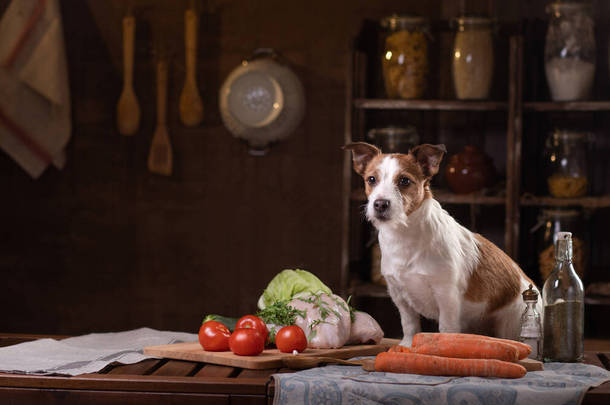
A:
<point x="381" y="205"/>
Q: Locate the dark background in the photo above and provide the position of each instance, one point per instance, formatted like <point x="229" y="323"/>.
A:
<point x="105" y="245"/>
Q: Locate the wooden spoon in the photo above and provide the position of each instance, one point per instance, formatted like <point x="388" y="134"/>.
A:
<point x="302" y="362"/>
<point x="160" y="156"/>
<point x="191" y="107"/>
<point x="128" y="109"/>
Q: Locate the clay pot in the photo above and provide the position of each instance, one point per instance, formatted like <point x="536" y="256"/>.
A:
<point x="469" y="171"/>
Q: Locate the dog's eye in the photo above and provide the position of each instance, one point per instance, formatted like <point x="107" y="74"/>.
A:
<point x="371" y="180"/>
<point x="404" y="182"/>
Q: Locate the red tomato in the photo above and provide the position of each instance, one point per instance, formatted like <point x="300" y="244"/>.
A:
<point x="214" y="336"/>
<point x="291" y="338"/>
<point x="246" y="342"/>
<point x="254" y="322"/>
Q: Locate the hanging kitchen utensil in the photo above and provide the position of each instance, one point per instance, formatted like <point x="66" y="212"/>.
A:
<point x="191" y="107"/>
<point x="128" y="109"/>
<point x="160" y="159"/>
<point x="262" y="100"/>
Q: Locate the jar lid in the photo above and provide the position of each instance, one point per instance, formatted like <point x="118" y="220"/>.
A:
<point x="560" y="213"/>
<point x="403" y="21"/>
<point x="568" y="6"/>
<point x="530" y="294"/>
<point x="472" y="21"/>
<point x="569" y="134"/>
<point x="392" y="130"/>
<point x="407" y="134"/>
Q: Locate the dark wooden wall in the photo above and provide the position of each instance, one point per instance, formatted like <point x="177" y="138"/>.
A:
<point x="106" y="245"/>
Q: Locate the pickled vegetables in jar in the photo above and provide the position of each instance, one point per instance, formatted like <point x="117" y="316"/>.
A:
<point x="405" y="63"/>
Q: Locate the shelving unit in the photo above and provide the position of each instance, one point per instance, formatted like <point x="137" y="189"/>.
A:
<point x="511" y="196"/>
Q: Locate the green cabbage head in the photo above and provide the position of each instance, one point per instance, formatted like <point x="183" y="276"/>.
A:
<point x="289" y="284"/>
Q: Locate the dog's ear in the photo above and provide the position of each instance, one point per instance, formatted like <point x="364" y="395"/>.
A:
<point x="429" y="157"/>
<point x="362" y="153"/>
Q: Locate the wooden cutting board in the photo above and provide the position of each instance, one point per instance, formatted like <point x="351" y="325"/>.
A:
<point x="270" y="358"/>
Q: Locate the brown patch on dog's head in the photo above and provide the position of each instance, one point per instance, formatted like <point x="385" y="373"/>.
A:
<point x="362" y="154"/>
<point x="429" y="157"/>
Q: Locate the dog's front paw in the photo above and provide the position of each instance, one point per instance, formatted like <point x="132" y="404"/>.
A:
<point x="406" y="341"/>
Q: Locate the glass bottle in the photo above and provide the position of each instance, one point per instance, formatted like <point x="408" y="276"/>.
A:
<point x="570" y="51"/>
<point x="551" y="222"/>
<point x="566" y="155"/>
<point x="404" y="60"/>
<point x="473" y="57"/>
<point x="564" y="311"/>
<point x="531" y="328"/>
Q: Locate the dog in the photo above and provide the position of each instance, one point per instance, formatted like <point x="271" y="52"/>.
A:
<point x="434" y="267"/>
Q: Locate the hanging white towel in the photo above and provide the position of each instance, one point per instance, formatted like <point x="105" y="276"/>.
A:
<point x="35" y="122"/>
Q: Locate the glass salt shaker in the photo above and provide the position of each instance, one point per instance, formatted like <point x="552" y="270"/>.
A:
<point x="531" y="328"/>
<point x="564" y="310"/>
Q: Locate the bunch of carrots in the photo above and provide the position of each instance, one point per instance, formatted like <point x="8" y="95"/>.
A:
<point x="456" y="354"/>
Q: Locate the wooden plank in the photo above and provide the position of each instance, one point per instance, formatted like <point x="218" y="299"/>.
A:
<point x="150" y="383"/>
<point x="588" y="202"/>
<point x="347" y="173"/>
<point x="176" y="368"/>
<point x="270" y="358"/>
<point x="513" y="147"/>
<point x="248" y="400"/>
<point x="438" y="105"/>
<point x="142" y="368"/>
<point x="8" y="339"/>
<point x="598" y="395"/>
<point x="33" y="396"/>
<point x="567" y="106"/>
<point x="593" y="358"/>
<point x="605" y="359"/>
<point x="448" y="197"/>
<point x="214" y="370"/>
<point x="266" y="373"/>
<point x="597" y="345"/>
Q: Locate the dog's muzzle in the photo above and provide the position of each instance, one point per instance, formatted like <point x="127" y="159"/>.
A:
<point x="382" y="208"/>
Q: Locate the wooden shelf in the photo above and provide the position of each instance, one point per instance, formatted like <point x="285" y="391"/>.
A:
<point x="567" y="106"/>
<point x="587" y="202"/>
<point x="597" y="300"/>
<point x="437" y="105"/>
<point x="380" y="291"/>
<point x="448" y="197"/>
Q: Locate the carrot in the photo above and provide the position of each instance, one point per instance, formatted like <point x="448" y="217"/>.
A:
<point x="414" y="363"/>
<point x="425" y="338"/>
<point x="399" y="349"/>
<point x="469" y="349"/>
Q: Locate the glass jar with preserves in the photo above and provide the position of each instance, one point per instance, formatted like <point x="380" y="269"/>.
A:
<point x="551" y="221"/>
<point x="405" y="56"/>
<point x="569" y="51"/>
<point x="566" y="154"/>
<point x="473" y="57"/>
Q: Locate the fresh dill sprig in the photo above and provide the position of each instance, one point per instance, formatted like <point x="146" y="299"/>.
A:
<point x="280" y="313"/>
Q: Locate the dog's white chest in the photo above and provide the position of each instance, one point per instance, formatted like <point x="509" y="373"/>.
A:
<point x="405" y="271"/>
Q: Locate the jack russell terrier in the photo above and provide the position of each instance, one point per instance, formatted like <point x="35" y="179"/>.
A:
<point x="433" y="266"/>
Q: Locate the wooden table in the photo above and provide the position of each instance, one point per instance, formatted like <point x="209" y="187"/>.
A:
<point x="165" y="381"/>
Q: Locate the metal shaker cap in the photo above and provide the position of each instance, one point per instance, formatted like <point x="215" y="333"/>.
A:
<point x="530" y="294"/>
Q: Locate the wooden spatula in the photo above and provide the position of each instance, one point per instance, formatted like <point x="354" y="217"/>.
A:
<point x="191" y="107"/>
<point x="128" y="109"/>
<point x="302" y="362"/>
<point x="160" y="159"/>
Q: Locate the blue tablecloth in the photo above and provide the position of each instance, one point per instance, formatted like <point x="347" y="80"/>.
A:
<point x="559" y="383"/>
